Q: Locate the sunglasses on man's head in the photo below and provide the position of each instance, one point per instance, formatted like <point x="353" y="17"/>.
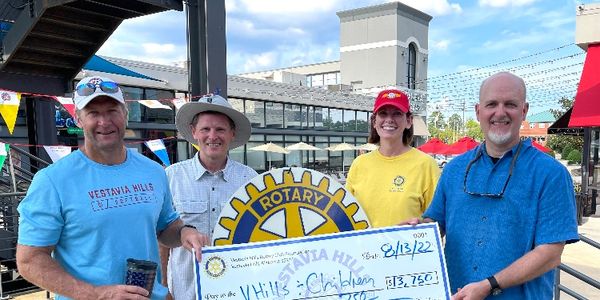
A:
<point x="86" y="89"/>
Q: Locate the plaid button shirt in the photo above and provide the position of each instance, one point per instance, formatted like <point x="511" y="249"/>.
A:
<point x="198" y="197"/>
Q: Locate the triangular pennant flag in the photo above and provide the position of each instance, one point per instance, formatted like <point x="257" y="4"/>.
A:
<point x="3" y="153"/>
<point x="179" y="102"/>
<point x="57" y="152"/>
<point x="153" y="104"/>
<point x="158" y="147"/>
<point x="68" y="104"/>
<point x="9" y="107"/>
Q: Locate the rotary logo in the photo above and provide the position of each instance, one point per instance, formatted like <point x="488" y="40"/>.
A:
<point x="214" y="266"/>
<point x="285" y="203"/>
<point x="397" y="184"/>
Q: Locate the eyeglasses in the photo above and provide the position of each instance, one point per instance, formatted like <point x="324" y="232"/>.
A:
<point x="510" y="170"/>
<point x="86" y="89"/>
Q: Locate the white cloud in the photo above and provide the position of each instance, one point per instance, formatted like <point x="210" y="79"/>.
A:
<point x="159" y="49"/>
<point x="505" y="3"/>
<point x="441" y="45"/>
<point x="288" y="6"/>
<point x="434" y="7"/>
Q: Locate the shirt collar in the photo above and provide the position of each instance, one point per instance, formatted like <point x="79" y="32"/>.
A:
<point x="526" y="144"/>
<point x="200" y="170"/>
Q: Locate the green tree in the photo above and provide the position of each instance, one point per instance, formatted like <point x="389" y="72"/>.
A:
<point x="474" y="130"/>
<point x="558" y="142"/>
<point x="455" y="127"/>
<point x="436" y="124"/>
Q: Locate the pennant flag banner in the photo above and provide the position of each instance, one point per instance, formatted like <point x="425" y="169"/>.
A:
<point x="158" y="147"/>
<point x="3" y="153"/>
<point x="68" y="104"/>
<point x="179" y="102"/>
<point x="9" y="107"/>
<point x="57" y="152"/>
<point x="153" y="104"/>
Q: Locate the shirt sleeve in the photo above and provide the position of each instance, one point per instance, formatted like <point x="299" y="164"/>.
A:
<point x="167" y="214"/>
<point x="40" y="217"/>
<point x="351" y="177"/>
<point x="557" y="219"/>
<point x="437" y="208"/>
<point x="431" y="183"/>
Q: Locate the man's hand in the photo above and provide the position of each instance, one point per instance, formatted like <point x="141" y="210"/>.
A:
<point x="474" y="291"/>
<point x="119" y="292"/>
<point x="193" y="239"/>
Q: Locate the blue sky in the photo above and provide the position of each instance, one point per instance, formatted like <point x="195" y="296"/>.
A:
<point x="269" y="34"/>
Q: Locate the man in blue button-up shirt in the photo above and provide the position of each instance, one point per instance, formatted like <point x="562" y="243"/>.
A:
<point x="507" y="209"/>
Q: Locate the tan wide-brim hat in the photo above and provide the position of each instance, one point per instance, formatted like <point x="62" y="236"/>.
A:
<point x="215" y="103"/>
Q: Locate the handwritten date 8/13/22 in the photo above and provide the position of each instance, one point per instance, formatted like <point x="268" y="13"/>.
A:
<point x="399" y="248"/>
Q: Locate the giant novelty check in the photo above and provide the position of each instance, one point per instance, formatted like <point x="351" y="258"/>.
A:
<point x="384" y="263"/>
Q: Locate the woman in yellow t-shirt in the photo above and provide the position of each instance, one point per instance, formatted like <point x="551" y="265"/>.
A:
<point x="396" y="182"/>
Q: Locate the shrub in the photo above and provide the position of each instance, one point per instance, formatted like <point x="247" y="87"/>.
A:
<point x="565" y="152"/>
<point x="574" y="157"/>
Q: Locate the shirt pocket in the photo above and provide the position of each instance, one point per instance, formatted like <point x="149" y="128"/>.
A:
<point x="192" y="207"/>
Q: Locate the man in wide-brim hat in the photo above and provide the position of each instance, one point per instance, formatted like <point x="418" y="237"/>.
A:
<point x="201" y="184"/>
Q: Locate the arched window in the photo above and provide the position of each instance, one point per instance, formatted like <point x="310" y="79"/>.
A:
<point x="411" y="66"/>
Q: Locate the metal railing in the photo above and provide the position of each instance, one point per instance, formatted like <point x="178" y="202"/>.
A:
<point x="558" y="287"/>
<point x="15" y="177"/>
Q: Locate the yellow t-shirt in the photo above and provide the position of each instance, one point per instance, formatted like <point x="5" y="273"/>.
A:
<point x="393" y="189"/>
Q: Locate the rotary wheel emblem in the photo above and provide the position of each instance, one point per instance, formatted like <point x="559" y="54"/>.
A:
<point x="285" y="203"/>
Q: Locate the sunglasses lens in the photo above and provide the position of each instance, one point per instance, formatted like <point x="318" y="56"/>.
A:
<point x="90" y="88"/>
<point x="109" y="87"/>
<point x="85" y="89"/>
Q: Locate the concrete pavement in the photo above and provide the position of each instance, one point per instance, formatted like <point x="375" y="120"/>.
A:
<point x="584" y="258"/>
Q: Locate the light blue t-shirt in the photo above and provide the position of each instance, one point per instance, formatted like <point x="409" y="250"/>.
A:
<point x="486" y="234"/>
<point x="98" y="216"/>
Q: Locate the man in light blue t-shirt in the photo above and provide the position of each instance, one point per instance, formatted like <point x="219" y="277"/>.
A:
<point x="86" y="214"/>
<point x="507" y="209"/>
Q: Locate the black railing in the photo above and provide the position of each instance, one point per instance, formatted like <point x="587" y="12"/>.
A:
<point x="558" y="287"/>
<point x="15" y="177"/>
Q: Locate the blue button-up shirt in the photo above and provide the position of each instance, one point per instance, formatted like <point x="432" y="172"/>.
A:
<point x="486" y="234"/>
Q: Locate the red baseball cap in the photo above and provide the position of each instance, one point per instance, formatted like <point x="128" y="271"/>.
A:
<point x="394" y="98"/>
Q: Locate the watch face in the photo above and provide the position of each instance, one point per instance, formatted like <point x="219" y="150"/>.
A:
<point x="496" y="292"/>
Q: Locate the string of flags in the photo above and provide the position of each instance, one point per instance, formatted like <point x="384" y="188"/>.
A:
<point x="10" y="101"/>
<point x="56" y="152"/>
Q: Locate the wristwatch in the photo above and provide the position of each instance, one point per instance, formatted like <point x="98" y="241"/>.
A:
<point x="495" y="290"/>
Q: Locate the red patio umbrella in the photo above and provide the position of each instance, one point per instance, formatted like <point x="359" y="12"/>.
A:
<point x="463" y="145"/>
<point x="540" y="146"/>
<point x="434" y="146"/>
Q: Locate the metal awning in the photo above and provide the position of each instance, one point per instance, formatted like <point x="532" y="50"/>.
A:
<point x="420" y="128"/>
<point x="561" y="126"/>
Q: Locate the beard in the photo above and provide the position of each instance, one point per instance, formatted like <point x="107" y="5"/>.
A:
<point x="499" y="138"/>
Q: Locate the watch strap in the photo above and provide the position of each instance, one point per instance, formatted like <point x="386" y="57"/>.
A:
<point x="495" y="287"/>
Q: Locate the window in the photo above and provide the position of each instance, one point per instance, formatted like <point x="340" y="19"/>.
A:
<point x="531" y="125"/>
<point x="411" y="66"/>
<point x="362" y="122"/>
<point x="336" y="119"/>
<point x="349" y="120"/>
<point x="332" y="78"/>
<point x="274" y="113"/>
<point x="293" y="116"/>
<point x="542" y="125"/>
<point x="135" y="111"/>
<point x="162" y="116"/>
<point x="255" y="111"/>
